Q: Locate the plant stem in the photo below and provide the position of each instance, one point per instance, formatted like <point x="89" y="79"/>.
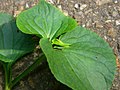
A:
<point x="7" y="69"/>
<point x="7" y="88"/>
<point x="60" y="43"/>
<point x="27" y="71"/>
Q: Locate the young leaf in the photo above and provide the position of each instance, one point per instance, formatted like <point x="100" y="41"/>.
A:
<point x="87" y="63"/>
<point x="45" y="20"/>
<point x="13" y="43"/>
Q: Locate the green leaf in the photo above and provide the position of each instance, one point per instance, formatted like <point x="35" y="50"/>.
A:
<point x="5" y="18"/>
<point x="13" y="43"/>
<point x="88" y="63"/>
<point x="5" y="59"/>
<point x="45" y="20"/>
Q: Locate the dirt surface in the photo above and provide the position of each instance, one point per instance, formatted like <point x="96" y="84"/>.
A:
<point x="101" y="16"/>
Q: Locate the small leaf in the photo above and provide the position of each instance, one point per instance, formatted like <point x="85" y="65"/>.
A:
<point x="45" y="20"/>
<point x="13" y="43"/>
<point x="87" y="64"/>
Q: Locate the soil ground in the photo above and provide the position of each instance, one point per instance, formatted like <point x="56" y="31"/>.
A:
<point x="100" y="16"/>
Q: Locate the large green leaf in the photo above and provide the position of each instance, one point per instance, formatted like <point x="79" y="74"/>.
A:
<point x="83" y="61"/>
<point x="13" y="43"/>
<point x="45" y="20"/>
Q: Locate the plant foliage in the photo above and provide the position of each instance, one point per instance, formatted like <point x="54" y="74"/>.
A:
<point x="13" y="45"/>
<point x="77" y="57"/>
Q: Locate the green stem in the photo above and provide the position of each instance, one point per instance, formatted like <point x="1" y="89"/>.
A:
<point x="7" y="69"/>
<point x="7" y="88"/>
<point x="60" y="43"/>
<point x="27" y="71"/>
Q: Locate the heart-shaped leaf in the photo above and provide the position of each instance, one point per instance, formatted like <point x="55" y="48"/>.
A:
<point x="45" y="20"/>
<point x="81" y="60"/>
<point x="13" y="43"/>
